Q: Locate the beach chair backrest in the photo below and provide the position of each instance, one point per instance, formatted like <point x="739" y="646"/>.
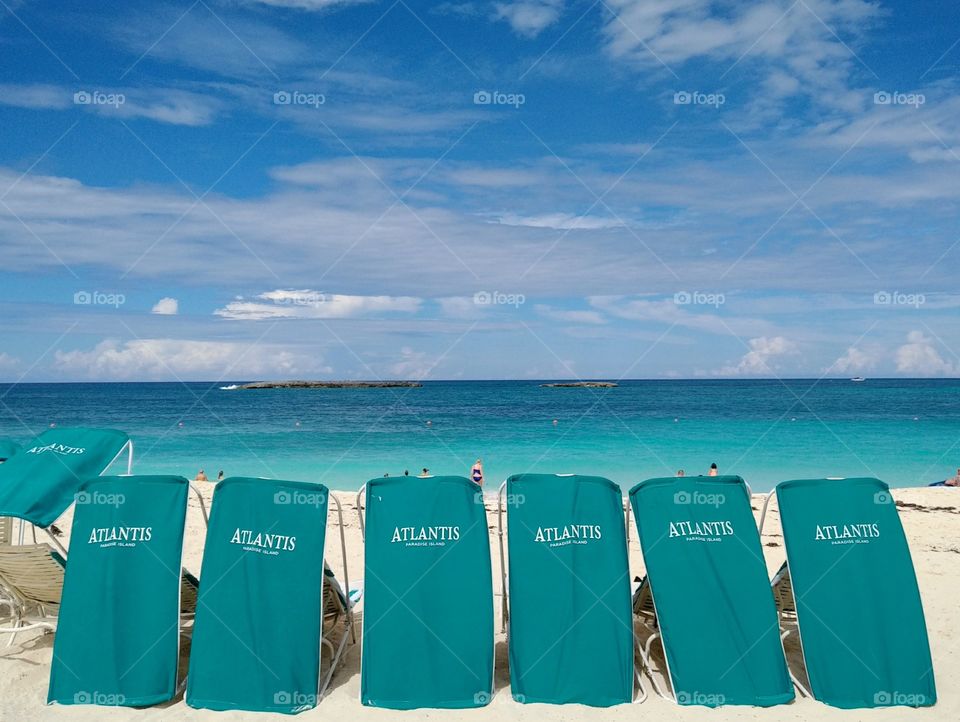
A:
<point x="33" y="574"/>
<point x="710" y="589"/>
<point x="428" y="595"/>
<point x="256" y="637"/>
<point x="858" y="606"/>
<point x="117" y="640"/>
<point x="571" y="628"/>
<point x="40" y="482"/>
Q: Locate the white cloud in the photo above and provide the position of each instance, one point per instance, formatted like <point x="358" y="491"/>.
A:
<point x="179" y="359"/>
<point x="853" y="360"/>
<point x="8" y="362"/>
<point x="529" y="17"/>
<point x="412" y="364"/>
<point x="307" y="304"/>
<point x="919" y="357"/>
<point x="668" y="311"/>
<point x="761" y="359"/>
<point x="306" y="4"/>
<point x="570" y="316"/>
<point x="560" y="221"/>
<point x="166" y="307"/>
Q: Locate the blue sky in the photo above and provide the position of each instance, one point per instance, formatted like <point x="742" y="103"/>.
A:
<point x="238" y="189"/>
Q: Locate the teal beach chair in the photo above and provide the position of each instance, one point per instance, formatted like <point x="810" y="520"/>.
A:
<point x="850" y="591"/>
<point x="427" y="636"/>
<point x="706" y="595"/>
<point x="259" y="627"/>
<point x="118" y="631"/>
<point x="570" y="624"/>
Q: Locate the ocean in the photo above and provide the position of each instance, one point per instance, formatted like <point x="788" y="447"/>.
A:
<point x="906" y="432"/>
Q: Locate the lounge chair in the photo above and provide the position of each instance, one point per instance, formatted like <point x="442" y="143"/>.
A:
<point x="706" y="589"/>
<point x="849" y="589"/>
<point x="428" y="595"/>
<point x="570" y="628"/>
<point x="263" y="611"/>
<point x="8" y="449"/>
<point x="117" y="640"/>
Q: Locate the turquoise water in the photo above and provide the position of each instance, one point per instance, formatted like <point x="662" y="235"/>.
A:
<point x="906" y="432"/>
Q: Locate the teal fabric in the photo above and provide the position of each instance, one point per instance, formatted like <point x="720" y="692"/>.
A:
<point x="8" y="449"/>
<point x="571" y="623"/>
<point x="428" y="595"/>
<point x="859" y="611"/>
<point x="256" y="638"/>
<point x="710" y="588"/>
<point x="117" y="639"/>
<point x="39" y="483"/>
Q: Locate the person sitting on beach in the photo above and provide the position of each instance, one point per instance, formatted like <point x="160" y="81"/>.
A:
<point x="681" y="472"/>
<point x="201" y="476"/>
<point x="713" y="469"/>
<point x="476" y="473"/>
<point x="953" y="481"/>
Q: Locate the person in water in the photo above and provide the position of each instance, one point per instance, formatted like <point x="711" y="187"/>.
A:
<point x="954" y="480"/>
<point x="425" y="473"/>
<point x="681" y="472"/>
<point x="476" y="473"/>
<point x="201" y="476"/>
<point x="713" y="469"/>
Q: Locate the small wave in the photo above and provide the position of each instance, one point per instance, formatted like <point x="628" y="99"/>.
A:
<point x="231" y="387"/>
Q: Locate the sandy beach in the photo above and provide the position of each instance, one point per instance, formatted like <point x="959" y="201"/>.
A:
<point x="931" y="518"/>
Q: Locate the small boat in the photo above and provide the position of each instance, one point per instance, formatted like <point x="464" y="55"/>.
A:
<point x="858" y="379"/>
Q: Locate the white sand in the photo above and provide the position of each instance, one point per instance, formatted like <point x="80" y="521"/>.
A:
<point x="931" y="518"/>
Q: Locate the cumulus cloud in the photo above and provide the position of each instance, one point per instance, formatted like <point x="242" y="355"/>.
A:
<point x="307" y="304"/>
<point x="919" y="357"/>
<point x="529" y="17"/>
<point x="412" y="364"/>
<point x="852" y="360"/>
<point x="178" y="359"/>
<point x="166" y="307"/>
<point x="8" y="362"/>
<point x="762" y="358"/>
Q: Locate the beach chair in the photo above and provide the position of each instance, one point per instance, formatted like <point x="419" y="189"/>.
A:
<point x="8" y="449"/>
<point x="570" y="633"/>
<point x="706" y="596"/>
<point x="849" y="590"/>
<point x="31" y="582"/>
<point x="119" y="618"/>
<point x="428" y="594"/>
<point x="264" y="608"/>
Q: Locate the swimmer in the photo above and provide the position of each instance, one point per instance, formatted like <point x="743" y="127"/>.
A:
<point x="476" y="473"/>
<point x="713" y="469"/>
